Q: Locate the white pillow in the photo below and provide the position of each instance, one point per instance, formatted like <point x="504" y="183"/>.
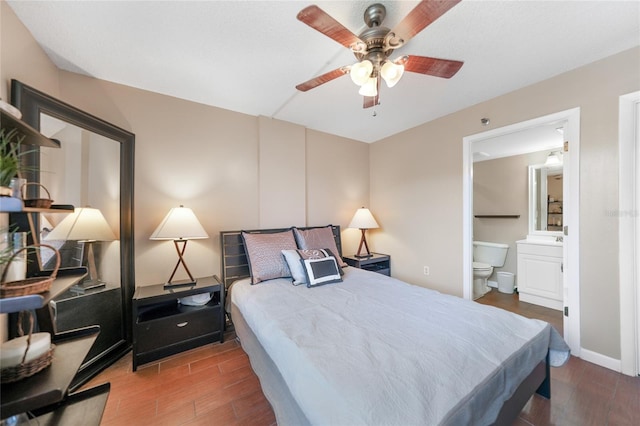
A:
<point x="294" y="260"/>
<point x="295" y="266"/>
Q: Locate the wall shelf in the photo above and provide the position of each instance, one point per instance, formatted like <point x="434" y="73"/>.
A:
<point x="84" y="408"/>
<point x="31" y="135"/>
<point x="50" y="385"/>
<point x="65" y="279"/>
<point x="497" y="216"/>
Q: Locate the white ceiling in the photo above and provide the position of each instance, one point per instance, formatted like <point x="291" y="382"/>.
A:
<point x="546" y="137"/>
<point x="248" y="56"/>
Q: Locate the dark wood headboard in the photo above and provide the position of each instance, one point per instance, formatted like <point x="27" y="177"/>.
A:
<point x="234" y="257"/>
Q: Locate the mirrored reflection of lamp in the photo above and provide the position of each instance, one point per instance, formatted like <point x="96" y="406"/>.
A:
<point x="363" y="219"/>
<point x="180" y="225"/>
<point x="86" y="225"/>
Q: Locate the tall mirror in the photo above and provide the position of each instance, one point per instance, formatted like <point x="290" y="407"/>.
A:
<point x="93" y="172"/>
<point x="545" y="199"/>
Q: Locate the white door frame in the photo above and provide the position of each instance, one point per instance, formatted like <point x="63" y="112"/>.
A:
<point x="629" y="229"/>
<point x="571" y="218"/>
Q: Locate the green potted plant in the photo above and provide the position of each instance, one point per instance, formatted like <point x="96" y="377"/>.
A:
<point x="10" y="167"/>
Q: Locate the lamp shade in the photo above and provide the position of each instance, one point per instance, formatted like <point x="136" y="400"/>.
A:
<point x="363" y="219"/>
<point x="361" y="72"/>
<point x="370" y="88"/>
<point x="84" y="224"/>
<point x="179" y="224"/>
<point x="391" y="73"/>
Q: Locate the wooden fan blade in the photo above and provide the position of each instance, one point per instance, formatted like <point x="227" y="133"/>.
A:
<point x="444" y="68"/>
<point x="426" y="12"/>
<point x="319" y="20"/>
<point x="321" y="79"/>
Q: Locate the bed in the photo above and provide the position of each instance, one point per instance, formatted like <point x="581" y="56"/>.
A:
<point x="372" y="349"/>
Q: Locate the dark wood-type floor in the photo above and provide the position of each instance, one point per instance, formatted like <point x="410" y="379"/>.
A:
<point x="214" y="385"/>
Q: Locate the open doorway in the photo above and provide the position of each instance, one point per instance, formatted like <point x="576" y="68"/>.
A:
<point x="570" y="120"/>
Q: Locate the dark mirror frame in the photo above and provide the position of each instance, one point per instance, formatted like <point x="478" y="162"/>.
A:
<point x="32" y="103"/>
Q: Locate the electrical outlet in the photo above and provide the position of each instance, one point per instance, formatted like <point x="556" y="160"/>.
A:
<point x="426" y="270"/>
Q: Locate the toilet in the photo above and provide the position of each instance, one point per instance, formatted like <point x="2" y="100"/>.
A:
<point x="486" y="256"/>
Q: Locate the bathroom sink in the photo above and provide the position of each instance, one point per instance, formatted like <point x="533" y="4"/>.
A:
<point x="541" y="240"/>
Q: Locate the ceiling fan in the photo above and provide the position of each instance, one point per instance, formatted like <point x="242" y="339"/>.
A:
<point x="375" y="44"/>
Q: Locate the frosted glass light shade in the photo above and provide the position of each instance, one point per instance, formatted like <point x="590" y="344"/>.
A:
<point x="554" y="159"/>
<point x="179" y="224"/>
<point x="391" y="73"/>
<point x="84" y="224"/>
<point x="361" y="72"/>
<point x="370" y="88"/>
<point x="363" y="219"/>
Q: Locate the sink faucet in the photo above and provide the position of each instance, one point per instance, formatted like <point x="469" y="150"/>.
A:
<point x="559" y="239"/>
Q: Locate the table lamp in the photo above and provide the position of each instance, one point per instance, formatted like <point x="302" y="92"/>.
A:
<point x="86" y="225"/>
<point x="180" y="225"/>
<point x="363" y="219"/>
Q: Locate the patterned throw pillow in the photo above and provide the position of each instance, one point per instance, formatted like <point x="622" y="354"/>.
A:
<point x="321" y="271"/>
<point x="294" y="260"/>
<point x="264" y="253"/>
<point x="318" y="237"/>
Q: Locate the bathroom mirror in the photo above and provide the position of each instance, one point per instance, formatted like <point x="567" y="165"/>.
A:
<point x="93" y="168"/>
<point x="545" y="199"/>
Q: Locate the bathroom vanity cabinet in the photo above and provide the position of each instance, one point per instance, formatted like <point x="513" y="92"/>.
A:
<point x="540" y="268"/>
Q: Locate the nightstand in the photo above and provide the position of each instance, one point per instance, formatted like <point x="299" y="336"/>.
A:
<point x="377" y="262"/>
<point x="162" y="326"/>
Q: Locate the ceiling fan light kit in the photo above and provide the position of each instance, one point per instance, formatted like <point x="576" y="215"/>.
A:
<point x="374" y="45"/>
<point x="391" y="73"/>
<point x="360" y="72"/>
<point x="370" y="88"/>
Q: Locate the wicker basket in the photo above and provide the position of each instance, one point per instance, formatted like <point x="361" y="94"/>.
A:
<point x="27" y="369"/>
<point x="40" y="203"/>
<point x="32" y="285"/>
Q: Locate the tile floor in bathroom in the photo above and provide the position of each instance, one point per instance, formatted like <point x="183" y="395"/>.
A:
<point x="510" y="302"/>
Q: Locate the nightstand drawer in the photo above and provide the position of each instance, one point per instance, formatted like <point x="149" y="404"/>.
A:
<point x="376" y="262"/>
<point x="175" y="325"/>
<point x="381" y="269"/>
<point x="162" y="326"/>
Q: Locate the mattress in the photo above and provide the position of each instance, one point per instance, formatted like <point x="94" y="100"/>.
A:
<point x="375" y="350"/>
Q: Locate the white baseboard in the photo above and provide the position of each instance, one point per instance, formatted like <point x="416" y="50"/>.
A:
<point x="492" y="284"/>
<point x="601" y="360"/>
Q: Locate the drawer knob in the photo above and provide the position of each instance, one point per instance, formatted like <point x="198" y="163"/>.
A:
<point x="182" y="324"/>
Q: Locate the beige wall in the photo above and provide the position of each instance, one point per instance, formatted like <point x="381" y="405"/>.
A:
<point x="208" y="159"/>
<point x="501" y="187"/>
<point x="235" y="171"/>
<point x="336" y="170"/>
<point x="416" y="187"/>
<point x="20" y="55"/>
<point x="281" y="173"/>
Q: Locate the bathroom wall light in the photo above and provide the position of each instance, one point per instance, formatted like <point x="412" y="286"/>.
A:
<point x="554" y="159"/>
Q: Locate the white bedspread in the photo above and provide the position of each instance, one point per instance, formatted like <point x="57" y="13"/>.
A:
<point x="374" y="350"/>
